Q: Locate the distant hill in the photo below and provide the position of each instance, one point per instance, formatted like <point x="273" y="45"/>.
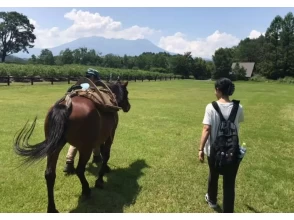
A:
<point x="103" y="45"/>
<point x="14" y="59"/>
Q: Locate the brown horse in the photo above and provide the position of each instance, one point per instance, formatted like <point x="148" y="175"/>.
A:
<point x="81" y="125"/>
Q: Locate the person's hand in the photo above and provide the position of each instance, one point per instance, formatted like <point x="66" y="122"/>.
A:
<point x="201" y="156"/>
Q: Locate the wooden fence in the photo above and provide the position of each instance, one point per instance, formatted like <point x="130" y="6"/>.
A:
<point x="31" y="80"/>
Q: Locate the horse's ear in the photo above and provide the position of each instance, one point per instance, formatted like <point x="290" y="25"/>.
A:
<point x="126" y="83"/>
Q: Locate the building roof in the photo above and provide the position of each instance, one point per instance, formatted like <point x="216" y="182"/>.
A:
<point x="247" y="66"/>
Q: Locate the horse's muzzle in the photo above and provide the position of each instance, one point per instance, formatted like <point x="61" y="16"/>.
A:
<point x="127" y="108"/>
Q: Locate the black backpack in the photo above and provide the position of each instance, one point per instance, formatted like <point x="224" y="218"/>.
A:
<point x="225" y="149"/>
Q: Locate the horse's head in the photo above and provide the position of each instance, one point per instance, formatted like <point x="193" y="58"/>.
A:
<point x="120" y="90"/>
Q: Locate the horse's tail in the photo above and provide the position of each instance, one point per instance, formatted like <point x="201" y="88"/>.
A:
<point x="57" y="120"/>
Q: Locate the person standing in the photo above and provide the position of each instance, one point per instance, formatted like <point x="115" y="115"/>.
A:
<point x="222" y="149"/>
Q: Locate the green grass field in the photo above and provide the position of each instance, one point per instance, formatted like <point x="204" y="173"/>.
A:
<point x="155" y="152"/>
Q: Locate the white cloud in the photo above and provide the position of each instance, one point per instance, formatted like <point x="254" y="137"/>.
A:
<point x="201" y="48"/>
<point x="86" y="24"/>
<point x="32" y="21"/>
<point x="255" y="34"/>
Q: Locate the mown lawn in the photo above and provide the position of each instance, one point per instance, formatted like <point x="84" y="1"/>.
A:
<point x="154" y="155"/>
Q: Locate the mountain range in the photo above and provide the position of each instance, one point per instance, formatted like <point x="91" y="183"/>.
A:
<point x="103" y="45"/>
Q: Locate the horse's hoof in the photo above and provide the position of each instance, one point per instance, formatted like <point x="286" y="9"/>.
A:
<point x="99" y="185"/>
<point x="52" y="211"/>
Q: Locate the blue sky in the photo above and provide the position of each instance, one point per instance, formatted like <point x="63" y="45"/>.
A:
<point x="195" y="27"/>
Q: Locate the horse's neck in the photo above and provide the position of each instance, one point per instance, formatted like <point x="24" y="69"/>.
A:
<point x="111" y="86"/>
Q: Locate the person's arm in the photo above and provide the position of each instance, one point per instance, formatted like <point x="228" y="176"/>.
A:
<point x="205" y="132"/>
<point x="204" y="136"/>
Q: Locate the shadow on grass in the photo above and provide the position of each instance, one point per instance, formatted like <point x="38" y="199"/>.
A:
<point x="252" y="209"/>
<point x="120" y="190"/>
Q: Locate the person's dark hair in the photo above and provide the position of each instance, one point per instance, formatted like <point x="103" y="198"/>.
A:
<point x="226" y="86"/>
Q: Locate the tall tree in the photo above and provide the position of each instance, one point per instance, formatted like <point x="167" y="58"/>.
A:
<point x="113" y="61"/>
<point x="16" y="33"/>
<point x="33" y="59"/>
<point x="67" y="56"/>
<point x="183" y="64"/>
<point x="238" y="73"/>
<point x="160" y="61"/>
<point x="126" y="61"/>
<point x="250" y="50"/>
<point x="223" y="59"/>
<point x="200" y="70"/>
<point x="287" y="44"/>
<point x="273" y="36"/>
<point x="46" y="57"/>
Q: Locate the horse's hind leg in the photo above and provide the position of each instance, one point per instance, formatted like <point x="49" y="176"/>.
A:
<point x="105" y="150"/>
<point x="80" y="171"/>
<point x="106" y="155"/>
<point x="97" y="155"/>
<point x="50" y="175"/>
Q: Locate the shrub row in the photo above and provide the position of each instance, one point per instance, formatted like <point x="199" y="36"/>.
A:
<point x="29" y="70"/>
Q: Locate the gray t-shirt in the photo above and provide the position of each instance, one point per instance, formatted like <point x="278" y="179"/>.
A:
<point x="212" y="118"/>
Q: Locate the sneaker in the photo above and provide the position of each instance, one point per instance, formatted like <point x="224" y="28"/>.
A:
<point x="211" y="204"/>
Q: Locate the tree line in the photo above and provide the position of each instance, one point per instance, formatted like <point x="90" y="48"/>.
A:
<point x="272" y="53"/>
<point x="184" y="65"/>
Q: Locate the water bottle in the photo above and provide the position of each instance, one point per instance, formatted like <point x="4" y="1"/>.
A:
<point x="242" y="150"/>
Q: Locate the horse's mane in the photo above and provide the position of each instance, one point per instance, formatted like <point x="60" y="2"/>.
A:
<point x="110" y="83"/>
<point x="114" y="87"/>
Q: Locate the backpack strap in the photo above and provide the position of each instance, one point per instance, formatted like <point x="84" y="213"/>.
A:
<point x="217" y="109"/>
<point x="234" y="111"/>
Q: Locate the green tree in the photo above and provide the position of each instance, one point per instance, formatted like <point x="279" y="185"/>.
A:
<point x="200" y="70"/>
<point x="33" y="59"/>
<point x="250" y="50"/>
<point x="83" y="53"/>
<point x="160" y="61"/>
<point x="287" y="44"/>
<point x="222" y="59"/>
<point x="209" y="69"/>
<point x="126" y="61"/>
<point x="91" y="57"/>
<point x="274" y="53"/>
<point x="183" y="64"/>
<point x="16" y="33"/>
<point x="144" y="61"/>
<point x="77" y="56"/>
<point x="46" y="57"/>
<point x="131" y="62"/>
<point x="113" y="61"/>
<point x="66" y="56"/>
<point x="238" y="73"/>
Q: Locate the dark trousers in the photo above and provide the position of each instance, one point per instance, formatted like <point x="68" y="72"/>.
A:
<point x="229" y="178"/>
